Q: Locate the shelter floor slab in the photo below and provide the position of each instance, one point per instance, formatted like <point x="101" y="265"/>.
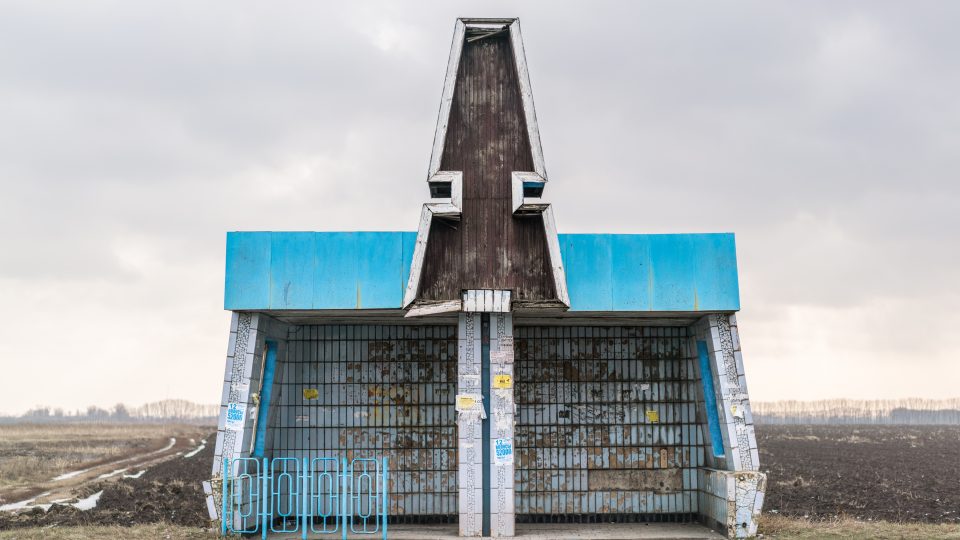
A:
<point x="529" y="531"/>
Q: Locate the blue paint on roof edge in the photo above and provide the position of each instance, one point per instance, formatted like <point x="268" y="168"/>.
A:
<point x="369" y="270"/>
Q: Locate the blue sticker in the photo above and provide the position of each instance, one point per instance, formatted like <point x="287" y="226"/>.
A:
<point x="503" y="451"/>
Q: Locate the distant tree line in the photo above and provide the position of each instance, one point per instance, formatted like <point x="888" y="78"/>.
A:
<point x="178" y="410"/>
<point x="909" y="411"/>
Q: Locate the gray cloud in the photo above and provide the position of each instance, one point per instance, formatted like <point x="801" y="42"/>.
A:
<point x="133" y="135"/>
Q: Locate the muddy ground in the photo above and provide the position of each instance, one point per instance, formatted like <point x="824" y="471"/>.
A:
<point x="168" y="492"/>
<point x="892" y="473"/>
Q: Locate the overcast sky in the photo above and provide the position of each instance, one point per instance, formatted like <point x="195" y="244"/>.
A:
<point x="133" y="135"/>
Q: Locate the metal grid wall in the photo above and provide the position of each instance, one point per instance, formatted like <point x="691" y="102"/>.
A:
<point x="382" y="391"/>
<point x="588" y="445"/>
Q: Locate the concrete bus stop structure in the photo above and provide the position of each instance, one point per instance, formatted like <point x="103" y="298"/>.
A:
<point x="509" y="373"/>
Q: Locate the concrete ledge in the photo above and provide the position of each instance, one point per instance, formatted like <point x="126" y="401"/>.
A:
<point x="731" y="500"/>
<point x="529" y="531"/>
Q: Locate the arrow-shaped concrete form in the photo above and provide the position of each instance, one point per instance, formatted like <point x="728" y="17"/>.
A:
<point x="483" y="209"/>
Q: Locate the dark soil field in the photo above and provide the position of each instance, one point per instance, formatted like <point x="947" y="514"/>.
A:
<point x="891" y="473"/>
<point x="821" y="473"/>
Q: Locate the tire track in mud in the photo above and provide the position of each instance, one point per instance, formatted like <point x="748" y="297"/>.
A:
<point x="165" y="488"/>
<point x="73" y="484"/>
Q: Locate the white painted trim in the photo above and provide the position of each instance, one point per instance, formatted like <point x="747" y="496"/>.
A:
<point x="434" y="308"/>
<point x="446" y="101"/>
<point x="455" y="179"/>
<point x="486" y="301"/>
<point x="419" y="250"/>
<point x="527" y="205"/>
<point x="556" y="261"/>
<point x="526" y="95"/>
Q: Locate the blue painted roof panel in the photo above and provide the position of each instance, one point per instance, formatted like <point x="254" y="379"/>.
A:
<point x="369" y="270"/>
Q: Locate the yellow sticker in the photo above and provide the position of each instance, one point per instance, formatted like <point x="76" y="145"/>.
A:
<point x="465" y="402"/>
<point x="503" y="381"/>
<point x="653" y="416"/>
<point x="310" y="393"/>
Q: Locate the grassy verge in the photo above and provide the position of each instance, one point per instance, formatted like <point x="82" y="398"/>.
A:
<point x="771" y="526"/>
<point x="158" y="531"/>
<point x="774" y="526"/>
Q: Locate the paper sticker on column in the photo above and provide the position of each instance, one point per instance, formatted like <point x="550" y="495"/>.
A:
<point x="467" y="402"/>
<point x="501" y="357"/>
<point x="310" y="393"/>
<point x="653" y="416"/>
<point x="503" y="451"/>
<point x="736" y="411"/>
<point x="503" y="381"/>
<point x="236" y="415"/>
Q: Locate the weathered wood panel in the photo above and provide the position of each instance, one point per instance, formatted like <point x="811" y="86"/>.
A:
<point x="487" y="139"/>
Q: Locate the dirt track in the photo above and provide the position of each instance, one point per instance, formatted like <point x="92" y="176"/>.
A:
<point x="169" y="491"/>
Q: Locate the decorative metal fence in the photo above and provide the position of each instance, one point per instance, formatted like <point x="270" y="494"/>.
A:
<point x="307" y="496"/>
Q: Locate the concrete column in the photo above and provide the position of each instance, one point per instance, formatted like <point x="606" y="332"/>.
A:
<point x="485" y="379"/>
<point x="469" y="435"/>
<point x="731" y="494"/>
<point x="502" y="409"/>
<point x="235" y="433"/>
<point x="241" y="381"/>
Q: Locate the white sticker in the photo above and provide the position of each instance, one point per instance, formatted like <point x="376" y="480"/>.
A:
<point x="736" y="411"/>
<point x="501" y="357"/>
<point x="236" y="416"/>
<point x="503" y="451"/>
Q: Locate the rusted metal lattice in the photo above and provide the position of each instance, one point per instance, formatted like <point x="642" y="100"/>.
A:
<point x="607" y="427"/>
<point x="357" y="391"/>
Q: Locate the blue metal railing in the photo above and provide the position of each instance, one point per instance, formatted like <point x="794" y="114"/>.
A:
<point x="316" y="496"/>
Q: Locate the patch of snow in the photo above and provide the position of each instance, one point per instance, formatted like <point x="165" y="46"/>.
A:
<point x="82" y="504"/>
<point x="196" y="450"/>
<point x="111" y="473"/>
<point x="138" y="475"/>
<point x="67" y="476"/>
<point x="173" y="441"/>
<point x="22" y="504"/>
<point x="89" y="502"/>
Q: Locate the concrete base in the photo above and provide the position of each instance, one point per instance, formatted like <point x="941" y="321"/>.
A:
<point x="529" y="531"/>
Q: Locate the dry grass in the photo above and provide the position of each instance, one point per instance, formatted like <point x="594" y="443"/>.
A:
<point x="35" y="453"/>
<point x="771" y="526"/>
<point x="158" y="531"/>
<point x="776" y="526"/>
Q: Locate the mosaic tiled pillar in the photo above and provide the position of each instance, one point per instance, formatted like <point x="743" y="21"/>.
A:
<point x="241" y="384"/>
<point x="469" y="434"/>
<point x="497" y="409"/>
<point x="234" y="433"/>
<point x="235" y="426"/>
<point x="502" y="517"/>
<point x="732" y="492"/>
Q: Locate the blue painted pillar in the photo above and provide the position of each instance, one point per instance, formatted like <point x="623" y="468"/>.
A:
<point x="266" y="393"/>
<point x="710" y="399"/>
